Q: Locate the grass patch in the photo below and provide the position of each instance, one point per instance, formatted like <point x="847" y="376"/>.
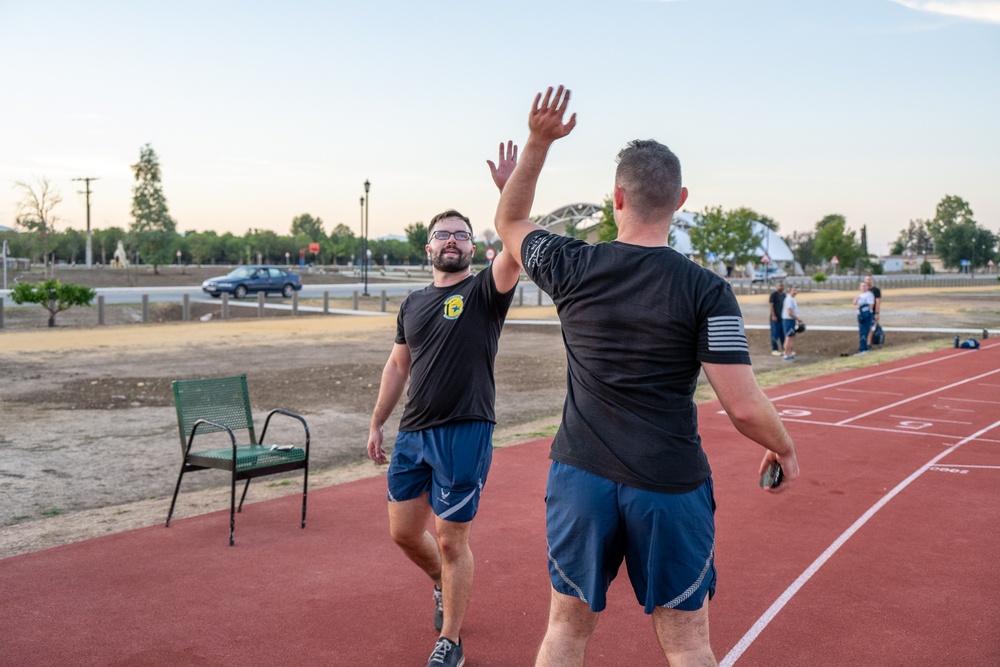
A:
<point x="123" y="511"/>
<point x="52" y="511"/>
<point x="284" y="482"/>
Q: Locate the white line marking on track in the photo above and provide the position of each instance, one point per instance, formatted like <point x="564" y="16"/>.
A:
<point x="860" y="427"/>
<point x="960" y="465"/>
<point x="814" y="409"/>
<point x="943" y="421"/>
<point x="968" y="400"/>
<point x="868" y="393"/>
<point x="832" y="385"/>
<point x="842" y="400"/>
<point x="744" y="643"/>
<point x="919" y="396"/>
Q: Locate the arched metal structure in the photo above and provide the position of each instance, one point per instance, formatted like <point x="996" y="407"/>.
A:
<point x="584" y="215"/>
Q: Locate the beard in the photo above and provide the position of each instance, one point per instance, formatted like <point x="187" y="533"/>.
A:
<point x="451" y="263"/>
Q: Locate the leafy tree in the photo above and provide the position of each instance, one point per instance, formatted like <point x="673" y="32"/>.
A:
<point x="153" y="232"/>
<point x="915" y="239"/>
<point x="730" y="235"/>
<point x="803" y="247"/>
<point x="53" y="295"/>
<point x="957" y="237"/>
<point x="310" y="226"/>
<point x="950" y="210"/>
<point x="341" y="243"/>
<point x="34" y="215"/>
<point x="607" y="230"/>
<point x="833" y="239"/>
<point x="416" y="236"/>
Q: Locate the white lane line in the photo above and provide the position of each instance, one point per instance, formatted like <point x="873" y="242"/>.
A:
<point x="744" y="643"/>
<point x="919" y="396"/>
<point x="960" y="465"/>
<point x="859" y="427"/>
<point x="968" y="400"/>
<point x="842" y="400"/>
<point x="810" y="407"/>
<point x="868" y="393"/>
<point x="936" y="420"/>
<point x="832" y="385"/>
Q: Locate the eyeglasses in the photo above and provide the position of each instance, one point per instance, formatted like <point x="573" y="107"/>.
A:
<point x="442" y="235"/>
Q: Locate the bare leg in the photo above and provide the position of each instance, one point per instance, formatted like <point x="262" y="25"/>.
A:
<point x="408" y="527"/>
<point x="683" y="636"/>
<point x="789" y="345"/>
<point x="571" y="622"/>
<point x="457" y="567"/>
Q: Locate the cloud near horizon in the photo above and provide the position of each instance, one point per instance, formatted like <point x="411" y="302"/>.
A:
<point x="987" y="11"/>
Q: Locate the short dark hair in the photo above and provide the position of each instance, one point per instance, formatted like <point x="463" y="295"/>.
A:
<point x="650" y="175"/>
<point x="450" y="213"/>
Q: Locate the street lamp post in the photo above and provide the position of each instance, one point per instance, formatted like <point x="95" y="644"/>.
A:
<point x="364" y="254"/>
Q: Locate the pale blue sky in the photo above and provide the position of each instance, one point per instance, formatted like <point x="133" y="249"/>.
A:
<point x="874" y="109"/>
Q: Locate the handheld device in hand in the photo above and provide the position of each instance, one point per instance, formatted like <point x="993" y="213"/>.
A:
<point x="772" y="476"/>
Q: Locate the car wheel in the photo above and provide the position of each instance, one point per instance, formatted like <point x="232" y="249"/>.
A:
<point x="287" y="291"/>
<point x="216" y="295"/>
<point x="240" y="291"/>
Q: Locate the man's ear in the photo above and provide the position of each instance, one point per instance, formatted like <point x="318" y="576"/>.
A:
<point x="619" y="197"/>
<point x="684" y="196"/>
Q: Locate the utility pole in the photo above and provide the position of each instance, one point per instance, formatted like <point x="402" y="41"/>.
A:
<point x="90" y="252"/>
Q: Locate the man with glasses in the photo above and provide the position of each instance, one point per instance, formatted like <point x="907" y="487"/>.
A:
<point x="446" y="342"/>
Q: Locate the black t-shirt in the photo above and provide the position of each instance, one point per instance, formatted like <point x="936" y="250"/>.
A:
<point x="877" y="293"/>
<point x="777" y="300"/>
<point x="637" y="323"/>
<point x="453" y="333"/>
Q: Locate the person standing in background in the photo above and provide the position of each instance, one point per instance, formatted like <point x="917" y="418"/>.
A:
<point x="776" y="301"/>
<point x="865" y="302"/>
<point x="789" y="321"/>
<point x="877" y="293"/>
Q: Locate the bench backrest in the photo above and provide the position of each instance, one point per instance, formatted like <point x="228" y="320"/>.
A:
<point x="223" y="400"/>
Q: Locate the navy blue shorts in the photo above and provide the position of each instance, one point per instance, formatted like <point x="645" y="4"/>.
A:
<point x="789" y="328"/>
<point x="666" y="540"/>
<point x="449" y="463"/>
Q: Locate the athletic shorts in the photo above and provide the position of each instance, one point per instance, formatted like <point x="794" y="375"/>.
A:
<point x="449" y="463"/>
<point x="789" y="328"/>
<point x="666" y="540"/>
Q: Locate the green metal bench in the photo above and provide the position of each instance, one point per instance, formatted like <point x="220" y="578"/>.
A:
<point x="214" y="405"/>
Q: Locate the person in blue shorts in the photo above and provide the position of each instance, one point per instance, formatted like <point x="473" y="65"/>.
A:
<point x="446" y="343"/>
<point x="629" y="480"/>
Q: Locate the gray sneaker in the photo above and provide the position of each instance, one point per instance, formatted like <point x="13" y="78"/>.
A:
<point x="438" y="609"/>
<point x="446" y="654"/>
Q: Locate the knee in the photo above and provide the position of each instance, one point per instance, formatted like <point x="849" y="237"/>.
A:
<point x="406" y="536"/>
<point x="452" y="548"/>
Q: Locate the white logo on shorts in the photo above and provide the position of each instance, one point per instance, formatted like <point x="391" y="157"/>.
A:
<point x="444" y="496"/>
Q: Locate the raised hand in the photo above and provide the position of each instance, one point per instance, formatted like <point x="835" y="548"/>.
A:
<point x="504" y="167"/>
<point x="546" y="118"/>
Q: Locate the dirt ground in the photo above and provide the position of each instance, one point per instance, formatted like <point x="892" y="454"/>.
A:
<point x="88" y="436"/>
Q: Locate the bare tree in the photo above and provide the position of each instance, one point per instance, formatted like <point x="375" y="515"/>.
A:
<point x="34" y="214"/>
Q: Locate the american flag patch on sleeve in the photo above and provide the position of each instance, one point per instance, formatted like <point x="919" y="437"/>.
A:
<point x="726" y="334"/>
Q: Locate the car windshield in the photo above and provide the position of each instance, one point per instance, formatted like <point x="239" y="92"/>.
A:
<point x="242" y="272"/>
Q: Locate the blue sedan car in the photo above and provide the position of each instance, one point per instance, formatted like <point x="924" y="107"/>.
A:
<point x="254" y="278"/>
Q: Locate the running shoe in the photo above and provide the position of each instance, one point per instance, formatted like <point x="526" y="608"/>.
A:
<point x="775" y="353"/>
<point x="446" y="654"/>
<point x="438" y="609"/>
<point x="788" y="358"/>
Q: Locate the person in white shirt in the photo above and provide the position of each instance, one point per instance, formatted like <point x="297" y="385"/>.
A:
<point x="789" y="321"/>
<point x="865" y="301"/>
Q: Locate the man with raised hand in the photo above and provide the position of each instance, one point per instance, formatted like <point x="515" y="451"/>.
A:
<point x="446" y="343"/>
<point x="629" y="479"/>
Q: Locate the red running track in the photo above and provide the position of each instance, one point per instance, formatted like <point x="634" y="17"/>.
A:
<point x="884" y="553"/>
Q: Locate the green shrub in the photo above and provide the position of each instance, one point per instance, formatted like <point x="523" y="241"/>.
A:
<point x="53" y="295"/>
<point x="926" y="268"/>
<point x="819" y="277"/>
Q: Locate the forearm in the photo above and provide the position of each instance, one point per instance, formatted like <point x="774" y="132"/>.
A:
<point x="756" y="418"/>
